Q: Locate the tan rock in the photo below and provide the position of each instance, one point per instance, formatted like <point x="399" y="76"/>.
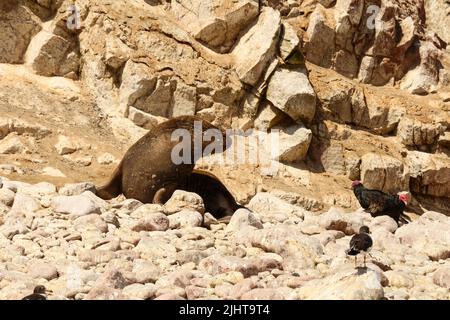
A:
<point x="442" y="277"/>
<point x="152" y="222"/>
<point x="430" y="173"/>
<point x="185" y="218"/>
<point x="320" y="37"/>
<point x="283" y="293"/>
<point x="255" y="49"/>
<point x="416" y="133"/>
<point x="184" y="200"/>
<point x="344" y="286"/>
<point x="215" y="23"/>
<point x="292" y="143"/>
<point x="241" y="218"/>
<point x="19" y="25"/>
<point x="383" y="173"/>
<point x="291" y="92"/>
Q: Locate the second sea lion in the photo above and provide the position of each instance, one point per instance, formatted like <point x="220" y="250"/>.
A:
<point x="147" y="168"/>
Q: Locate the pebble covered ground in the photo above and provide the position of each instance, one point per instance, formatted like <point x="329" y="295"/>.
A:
<point x="81" y="247"/>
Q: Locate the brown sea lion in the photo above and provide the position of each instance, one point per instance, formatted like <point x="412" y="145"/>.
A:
<point x="217" y="199"/>
<point x="147" y="168"/>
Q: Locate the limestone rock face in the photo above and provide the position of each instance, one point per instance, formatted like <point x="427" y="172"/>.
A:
<point x="65" y="58"/>
<point x="254" y="51"/>
<point x="374" y="41"/>
<point x="320" y="38"/>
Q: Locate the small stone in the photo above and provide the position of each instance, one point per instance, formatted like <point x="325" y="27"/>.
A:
<point x="7" y="197"/>
<point x="185" y="219"/>
<point x="90" y="222"/>
<point x="152" y="222"/>
<point x="442" y="277"/>
<point x="106" y="158"/>
<point x="139" y="291"/>
<point x="43" y="270"/>
<point x="146" y="271"/>
<point x="75" y="206"/>
<point x="24" y="203"/>
<point x="184" y="200"/>
<point x="77" y="188"/>
<point x="65" y="145"/>
<point x="399" y="279"/>
<point x="241" y="218"/>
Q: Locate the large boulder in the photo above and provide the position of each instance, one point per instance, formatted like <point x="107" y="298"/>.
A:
<point x="413" y="132"/>
<point x="256" y="48"/>
<point x="293" y="143"/>
<point x="147" y="96"/>
<point x="384" y="173"/>
<point x="291" y="92"/>
<point x="430" y="173"/>
<point x="51" y="54"/>
<point x="266" y="205"/>
<point x="428" y="235"/>
<point x="320" y="37"/>
<point x="424" y="78"/>
<point x="345" y="285"/>
<point x="379" y="113"/>
<point x="18" y="26"/>
<point x="297" y="250"/>
<point x="289" y="41"/>
<point x="215" y="23"/>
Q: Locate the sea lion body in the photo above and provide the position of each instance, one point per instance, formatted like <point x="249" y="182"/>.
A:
<point x="217" y="199"/>
<point x="147" y="167"/>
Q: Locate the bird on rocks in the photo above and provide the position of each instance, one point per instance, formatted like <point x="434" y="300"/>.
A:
<point x="361" y="242"/>
<point x="378" y="203"/>
<point x="39" y="293"/>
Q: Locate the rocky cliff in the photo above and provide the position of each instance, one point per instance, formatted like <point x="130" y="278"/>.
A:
<point x="357" y="89"/>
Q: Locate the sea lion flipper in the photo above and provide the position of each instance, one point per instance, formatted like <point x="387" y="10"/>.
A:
<point x="159" y="196"/>
<point x="163" y="194"/>
<point x="114" y="187"/>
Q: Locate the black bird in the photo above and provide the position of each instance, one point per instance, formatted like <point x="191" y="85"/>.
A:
<point x="38" y="294"/>
<point x="360" y="242"/>
<point x="378" y="203"/>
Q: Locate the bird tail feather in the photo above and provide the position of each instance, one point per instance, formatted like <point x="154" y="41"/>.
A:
<point x="404" y="218"/>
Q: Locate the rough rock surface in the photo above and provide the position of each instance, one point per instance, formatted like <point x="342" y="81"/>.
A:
<point x="256" y="256"/>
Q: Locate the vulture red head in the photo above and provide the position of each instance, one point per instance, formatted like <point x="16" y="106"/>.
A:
<point x="356" y="183"/>
<point x="404" y="197"/>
